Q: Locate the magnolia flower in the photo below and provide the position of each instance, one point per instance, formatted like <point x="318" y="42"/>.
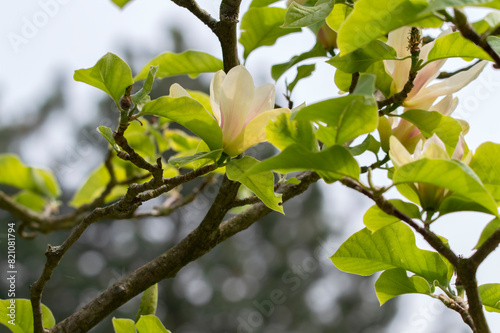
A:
<point x="241" y="109"/>
<point x="430" y="196"/>
<point x="423" y="95"/>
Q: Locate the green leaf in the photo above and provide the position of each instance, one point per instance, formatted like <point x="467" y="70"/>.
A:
<point x="334" y="163"/>
<point x="23" y="318"/>
<point x="373" y="19"/>
<point x="365" y="253"/>
<point x="179" y="162"/>
<point x="348" y="116"/>
<point x="490" y="228"/>
<point x="260" y="183"/>
<point x="365" y="85"/>
<point x="261" y="26"/>
<point x="395" y="282"/>
<point x="95" y="185"/>
<point x="338" y="15"/>
<point x="494" y="42"/>
<point x="123" y="325"/>
<point x="189" y="113"/>
<point x="298" y="16"/>
<point x="31" y="200"/>
<point x="362" y="58"/>
<point x="490" y="295"/>
<point x="107" y="133"/>
<point x="343" y="80"/>
<point x="284" y="132"/>
<point x="191" y="63"/>
<point x="149" y="301"/>
<point x="302" y="72"/>
<point x="376" y="219"/>
<point x="317" y="51"/>
<point x="142" y="96"/>
<point x="384" y="80"/>
<point x="110" y="74"/>
<point x="446" y="128"/>
<point x="148" y="324"/>
<point x="454" y="45"/>
<point x="450" y="174"/>
<point x="369" y="143"/>
<point x="121" y="3"/>
<point x="489" y="23"/>
<point x="435" y="5"/>
<point x="486" y="164"/>
<point x="16" y="173"/>
<point x="458" y="203"/>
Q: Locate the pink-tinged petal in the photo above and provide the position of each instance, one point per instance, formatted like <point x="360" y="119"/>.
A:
<point x="215" y="93"/>
<point x="237" y="95"/>
<point x="446" y="106"/>
<point x="253" y="133"/>
<point x="399" y="69"/>
<point x="458" y="153"/>
<point x="446" y="87"/>
<point x="434" y="148"/>
<point x="263" y="101"/>
<point x="177" y="91"/>
<point x="425" y="76"/>
<point x="398" y="153"/>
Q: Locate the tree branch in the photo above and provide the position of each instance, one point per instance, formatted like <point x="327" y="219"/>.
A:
<point x="460" y="21"/>
<point x="200" y="241"/>
<point x="200" y="13"/>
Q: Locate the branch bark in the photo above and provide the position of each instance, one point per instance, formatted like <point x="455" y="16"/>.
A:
<point x="206" y="236"/>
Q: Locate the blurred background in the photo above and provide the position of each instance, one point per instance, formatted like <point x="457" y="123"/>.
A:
<point x="50" y="120"/>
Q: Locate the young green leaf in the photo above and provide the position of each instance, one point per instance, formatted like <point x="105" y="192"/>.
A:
<point x="31" y="200"/>
<point x="107" y="133"/>
<point x="455" y="45"/>
<point x="23" y="315"/>
<point x="369" y="143"/>
<point x="148" y="324"/>
<point x="284" y="132"/>
<point x="348" y="116"/>
<point x="362" y="58"/>
<point x="191" y="63"/>
<point x="262" y="3"/>
<point x="260" y="183"/>
<point x="110" y="74"/>
<point x="343" y="80"/>
<point x="450" y="174"/>
<point x="435" y="5"/>
<point x="261" y="26"/>
<point x="333" y="163"/>
<point x="16" y="173"/>
<point x="372" y="19"/>
<point x="365" y="253"/>
<point x="149" y="301"/>
<point x="179" y="162"/>
<point x="142" y="96"/>
<point x="376" y="219"/>
<point x="338" y="15"/>
<point x="486" y="164"/>
<point x="317" y="51"/>
<point x="189" y="113"/>
<point x="298" y="16"/>
<point x="490" y="228"/>
<point x="395" y="282"/>
<point x="490" y="295"/>
<point x="123" y="325"/>
<point x="121" y="3"/>
<point x="302" y="72"/>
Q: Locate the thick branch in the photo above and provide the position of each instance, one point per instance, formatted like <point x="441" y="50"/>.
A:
<point x="400" y="96"/>
<point x="468" y="32"/>
<point x="201" y="14"/>
<point x="226" y="32"/>
<point x="206" y="236"/>
<point x="459" y="307"/>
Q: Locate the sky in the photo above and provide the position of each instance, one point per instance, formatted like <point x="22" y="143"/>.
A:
<point x="41" y="40"/>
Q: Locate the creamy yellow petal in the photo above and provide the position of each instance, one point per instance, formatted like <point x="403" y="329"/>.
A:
<point x="398" y="153"/>
<point x="215" y="93"/>
<point x="253" y="133"/>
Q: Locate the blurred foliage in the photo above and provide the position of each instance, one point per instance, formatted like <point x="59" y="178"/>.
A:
<point x="274" y="277"/>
